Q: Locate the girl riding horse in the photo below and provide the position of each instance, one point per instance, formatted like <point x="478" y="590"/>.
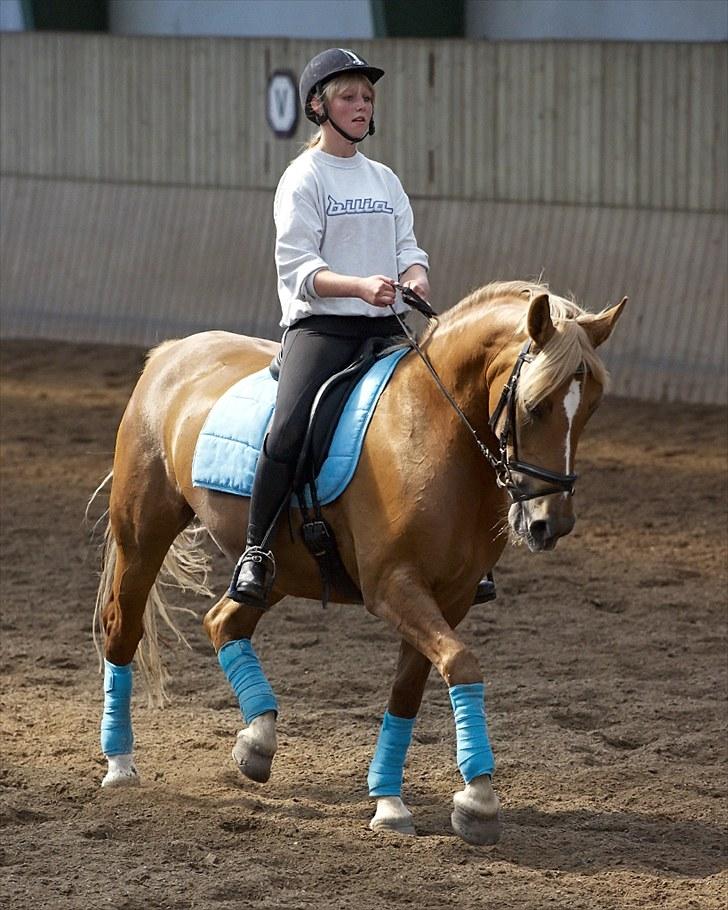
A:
<point x="344" y="233"/>
<point x="424" y="514"/>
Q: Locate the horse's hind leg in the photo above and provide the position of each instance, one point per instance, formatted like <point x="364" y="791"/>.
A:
<point x="145" y="517"/>
<point x="386" y="771"/>
<point x="230" y="627"/>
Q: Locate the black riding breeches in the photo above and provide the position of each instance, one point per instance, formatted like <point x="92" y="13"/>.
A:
<point x="313" y="350"/>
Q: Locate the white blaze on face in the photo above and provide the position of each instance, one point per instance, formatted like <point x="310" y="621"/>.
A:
<point x="572" y="399"/>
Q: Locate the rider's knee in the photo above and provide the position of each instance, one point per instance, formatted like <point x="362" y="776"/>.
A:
<point x="282" y="449"/>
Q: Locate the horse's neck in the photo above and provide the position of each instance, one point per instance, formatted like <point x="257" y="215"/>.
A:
<point x="460" y="353"/>
<point x="433" y="438"/>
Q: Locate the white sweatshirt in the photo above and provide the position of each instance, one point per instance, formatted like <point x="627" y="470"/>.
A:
<point x="349" y="215"/>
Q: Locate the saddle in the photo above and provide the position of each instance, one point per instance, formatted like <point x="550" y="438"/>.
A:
<point x="316" y="532"/>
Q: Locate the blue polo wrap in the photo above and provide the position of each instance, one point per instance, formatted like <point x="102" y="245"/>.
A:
<point x="242" y="668"/>
<point x="116" y="733"/>
<point x="387" y="768"/>
<point x="474" y="754"/>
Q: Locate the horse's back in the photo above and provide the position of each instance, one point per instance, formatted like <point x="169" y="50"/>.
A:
<point x="199" y="368"/>
<point x="181" y="381"/>
<point x="210" y="353"/>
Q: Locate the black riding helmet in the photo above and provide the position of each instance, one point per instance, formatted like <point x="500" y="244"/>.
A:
<point x="322" y="69"/>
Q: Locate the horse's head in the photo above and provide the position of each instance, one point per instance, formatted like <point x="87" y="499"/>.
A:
<point x="540" y="407"/>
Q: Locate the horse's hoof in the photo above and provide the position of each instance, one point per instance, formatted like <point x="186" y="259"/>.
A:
<point x="122" y="772"/>
<point x="476" y="829"/>
<point x="393" y="825"/>
<point x="252" y="761"/>
<point x="392" y="815"/>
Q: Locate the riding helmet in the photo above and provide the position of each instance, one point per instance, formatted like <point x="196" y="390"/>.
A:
<point x="324" y="67"/>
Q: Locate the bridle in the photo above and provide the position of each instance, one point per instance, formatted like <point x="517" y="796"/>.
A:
<point x="503" y="466"/>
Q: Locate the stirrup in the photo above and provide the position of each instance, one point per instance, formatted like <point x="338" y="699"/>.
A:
<point x="253" y="577"/>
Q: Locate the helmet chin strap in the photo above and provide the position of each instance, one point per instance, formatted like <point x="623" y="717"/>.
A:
<point x="322" y="118"/>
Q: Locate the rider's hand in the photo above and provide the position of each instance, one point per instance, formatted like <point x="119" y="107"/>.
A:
<point x="420" y="285"/>
<point x="377" y="290"/>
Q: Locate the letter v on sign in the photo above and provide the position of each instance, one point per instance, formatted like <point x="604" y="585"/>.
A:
<point x="282" y="103"/>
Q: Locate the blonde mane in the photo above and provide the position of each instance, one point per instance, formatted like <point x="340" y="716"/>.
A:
<point x="567" y="350"/>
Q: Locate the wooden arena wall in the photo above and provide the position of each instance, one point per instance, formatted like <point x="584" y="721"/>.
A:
<point x="137" y="176"/>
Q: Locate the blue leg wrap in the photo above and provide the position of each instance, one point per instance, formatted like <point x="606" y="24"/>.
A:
<point x="243" y="670"/>
<point x="116" y="734"/>
<point x="387" y="767"/>
<point x="475" y="757"/>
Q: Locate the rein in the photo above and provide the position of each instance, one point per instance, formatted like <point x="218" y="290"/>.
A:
<point x="503" y="466"/>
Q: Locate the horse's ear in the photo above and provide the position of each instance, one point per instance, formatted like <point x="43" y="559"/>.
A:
<point x="540" y="326"/>
<point x="600" y="328"/>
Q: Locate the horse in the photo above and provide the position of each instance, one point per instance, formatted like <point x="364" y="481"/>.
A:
<point x="470" y="442"/>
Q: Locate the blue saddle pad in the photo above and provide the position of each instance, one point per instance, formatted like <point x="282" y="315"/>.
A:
<point x="229" y="445"/>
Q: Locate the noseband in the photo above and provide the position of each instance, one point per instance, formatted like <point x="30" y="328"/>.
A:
<point x="503" y="466"/>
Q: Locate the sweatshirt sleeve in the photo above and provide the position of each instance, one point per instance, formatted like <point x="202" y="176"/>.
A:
<point x="299" y="234"/>
<point x="408" y="253"/>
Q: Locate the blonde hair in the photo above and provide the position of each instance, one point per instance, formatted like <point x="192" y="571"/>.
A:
<point x="563" y="354"/>
<point x="337" y="86"/>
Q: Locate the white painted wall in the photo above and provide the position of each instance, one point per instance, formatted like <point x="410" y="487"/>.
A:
<point x="619" y="20"/>
<point x="604" y="20"/>
<point x="249" y="18"/>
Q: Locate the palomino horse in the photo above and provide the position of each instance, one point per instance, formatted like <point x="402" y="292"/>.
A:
<point x="423" y="517"/>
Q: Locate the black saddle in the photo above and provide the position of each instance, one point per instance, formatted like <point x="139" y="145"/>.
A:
<point x="329" y="404"/>
<point x="326" y="410"/>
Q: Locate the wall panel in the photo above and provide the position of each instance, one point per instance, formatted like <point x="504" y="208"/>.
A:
<point x="137" y="178"/>
<point x="124" y="263"/>
<point x="584" y="123"/>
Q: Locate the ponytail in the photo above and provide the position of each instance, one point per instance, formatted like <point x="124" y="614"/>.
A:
<point x="312" y="141"/>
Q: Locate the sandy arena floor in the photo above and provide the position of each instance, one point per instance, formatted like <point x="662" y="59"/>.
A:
<point x="605" y="663"/>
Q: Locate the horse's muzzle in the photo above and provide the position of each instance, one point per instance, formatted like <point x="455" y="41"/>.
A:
<point x="537" y="526"/>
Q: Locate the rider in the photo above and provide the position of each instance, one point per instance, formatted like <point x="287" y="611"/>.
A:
<point x="344" y="226"/>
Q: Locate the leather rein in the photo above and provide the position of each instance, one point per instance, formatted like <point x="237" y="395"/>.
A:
<point x="504" y="466"/>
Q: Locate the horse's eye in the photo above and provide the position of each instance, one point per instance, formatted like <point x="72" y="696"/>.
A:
<point x="542" y="409"/>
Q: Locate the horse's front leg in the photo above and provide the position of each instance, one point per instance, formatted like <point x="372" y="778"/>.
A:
<point x="230" y="627"/>
<point x="406" y="604"/>
<point x="386" y="771"/>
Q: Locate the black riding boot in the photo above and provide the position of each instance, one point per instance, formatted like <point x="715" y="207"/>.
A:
<point x="256" y="569"/>
<point x="485" y="590"/>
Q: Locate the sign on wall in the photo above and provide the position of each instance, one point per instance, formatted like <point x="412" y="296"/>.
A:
<point x="282" y="103"/>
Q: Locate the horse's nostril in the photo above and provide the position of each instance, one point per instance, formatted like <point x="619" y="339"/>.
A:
<point x="545" y="532"/>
